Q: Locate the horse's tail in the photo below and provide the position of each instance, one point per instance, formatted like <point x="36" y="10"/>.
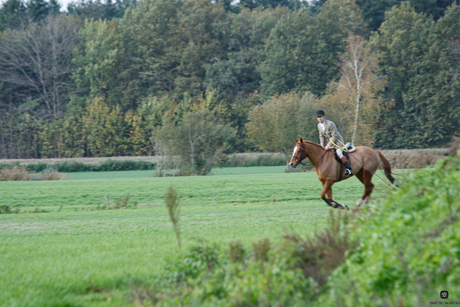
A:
<point x="386" y="167"/>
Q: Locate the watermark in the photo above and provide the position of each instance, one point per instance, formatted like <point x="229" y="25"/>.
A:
<point x="444" y="295"/>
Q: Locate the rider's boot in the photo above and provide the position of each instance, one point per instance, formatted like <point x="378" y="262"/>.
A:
<point x="348" y="170"/>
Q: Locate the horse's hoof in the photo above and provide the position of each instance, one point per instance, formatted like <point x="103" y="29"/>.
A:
<point x="345" y="207"/>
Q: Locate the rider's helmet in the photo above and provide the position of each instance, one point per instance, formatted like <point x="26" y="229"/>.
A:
<point x="320" y="113"/>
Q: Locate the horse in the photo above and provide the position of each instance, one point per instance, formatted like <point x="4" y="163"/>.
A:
<point x="364" y="161"/>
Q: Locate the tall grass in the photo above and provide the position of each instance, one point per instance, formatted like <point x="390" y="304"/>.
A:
<point x="172" y="201"/>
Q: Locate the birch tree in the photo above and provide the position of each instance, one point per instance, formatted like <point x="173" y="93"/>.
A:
<point x="360" y="84"/>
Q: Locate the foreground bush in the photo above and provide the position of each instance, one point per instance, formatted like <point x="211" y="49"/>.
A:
<point x="289" y="274"/>
<point x="409" y="251"/>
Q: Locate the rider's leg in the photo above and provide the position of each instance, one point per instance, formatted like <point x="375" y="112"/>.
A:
<point x="348" y="170"/>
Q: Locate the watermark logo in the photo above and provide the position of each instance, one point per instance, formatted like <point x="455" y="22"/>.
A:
<point x="444" y="294"/>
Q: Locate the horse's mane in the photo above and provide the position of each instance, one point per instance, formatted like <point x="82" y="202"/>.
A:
<point x="311" y="143"/>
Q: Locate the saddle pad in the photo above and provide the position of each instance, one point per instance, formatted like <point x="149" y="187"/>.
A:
<point x="350" y="147"/>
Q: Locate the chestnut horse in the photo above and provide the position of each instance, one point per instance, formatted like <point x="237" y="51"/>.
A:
<point x="364" y="161"/>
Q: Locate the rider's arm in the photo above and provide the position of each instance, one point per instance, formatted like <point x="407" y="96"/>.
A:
<point x="333" y="135"/>
<point x="321" y="136"/>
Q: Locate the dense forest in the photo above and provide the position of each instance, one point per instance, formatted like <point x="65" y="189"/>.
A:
<point x="160" y="76"/>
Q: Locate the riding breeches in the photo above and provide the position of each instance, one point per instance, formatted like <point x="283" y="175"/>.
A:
<point x="339" y="153"/>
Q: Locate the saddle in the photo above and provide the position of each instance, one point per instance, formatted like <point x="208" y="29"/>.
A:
<point x="350" y="149"/>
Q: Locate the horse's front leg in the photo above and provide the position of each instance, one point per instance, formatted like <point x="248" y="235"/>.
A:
<point x="327" y="189"/>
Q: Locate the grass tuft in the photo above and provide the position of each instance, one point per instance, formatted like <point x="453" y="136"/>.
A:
<point x="317" y="256"/>
<point x="172" y="201"/>
<point x="235" y="251"/>
<point x="261" y="249"/>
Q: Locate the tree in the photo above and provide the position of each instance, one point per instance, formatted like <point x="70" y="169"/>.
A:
<point x="12" y="12"/>
<point x="202" y="35"/>
<point x="315" y="6"/>
<point x="195" y="144"/>
<point x="265" y="4"/>
<point x="235" y="74"/>
<point x="420" y="68"/>
<point x="358" y="89"/>
<point x="95" y="61"/>
<point x="38" y="59"/>
<point x="168" y="44"/>
<point x="40" y="9"/>
<point x="273" y="125"/>
<point x="302" y="52"/>
<point x="99" y="10"/>
<point x="374" y="10"/>
<point x="105" y="129"/>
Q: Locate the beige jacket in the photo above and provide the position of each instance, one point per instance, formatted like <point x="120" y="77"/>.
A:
<point x="330" y="133"/>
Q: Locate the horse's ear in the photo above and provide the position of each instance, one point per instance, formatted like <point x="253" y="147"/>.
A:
<point x="301" y="140"/>
<point x="295" y="140"/>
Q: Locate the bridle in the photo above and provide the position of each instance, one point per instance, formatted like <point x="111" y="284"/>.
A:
<point x="299" y="158"/>
<point x="306" y="155"/>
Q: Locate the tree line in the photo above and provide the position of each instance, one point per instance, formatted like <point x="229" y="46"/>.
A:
<point x="167" y="77"/>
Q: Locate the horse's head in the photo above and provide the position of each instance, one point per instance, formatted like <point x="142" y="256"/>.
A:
<point x="298" y="154"/>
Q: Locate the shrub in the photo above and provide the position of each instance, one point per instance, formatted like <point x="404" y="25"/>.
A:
<point x="74" y="166"/>
<point x="409" y="248"/>
<point x="235" y="251"/>
<point x="5" y="209"/>
<point x="194" y="145"/>
<point x="255" y="159"/>
<point x="51" y="174"/>
<point x="281" y="275"/>
<point x="261" y="249"/>
<point x="16" y="173"/>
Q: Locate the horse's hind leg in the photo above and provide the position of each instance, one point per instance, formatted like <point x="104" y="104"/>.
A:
<point x="327" y="189"/>
<point x="366" y="178"/>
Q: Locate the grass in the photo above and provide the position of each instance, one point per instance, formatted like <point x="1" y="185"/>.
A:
<point x="80" y="255"/>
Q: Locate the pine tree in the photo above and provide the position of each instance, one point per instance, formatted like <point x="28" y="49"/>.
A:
<point x="11" y="14"/>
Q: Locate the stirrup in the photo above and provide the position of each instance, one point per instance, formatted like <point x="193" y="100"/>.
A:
<point x="348" y="172"/>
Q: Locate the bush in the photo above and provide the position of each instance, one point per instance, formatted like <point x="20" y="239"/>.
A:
<point x="194" y="145"/>
<point x="73" y="166"/>
<point x="256" y="159"/>
<point x="15" y="173"/>
<point x="408" y="247"/>
<point x="51" y="174"/>
<point x="5" y="209"/>
<point x="286" y="275"/>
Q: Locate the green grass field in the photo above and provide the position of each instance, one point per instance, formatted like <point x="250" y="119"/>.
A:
<point x="60" y="256"/>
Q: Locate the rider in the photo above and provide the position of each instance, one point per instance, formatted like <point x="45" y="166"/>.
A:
<point x="328" y="130"/>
